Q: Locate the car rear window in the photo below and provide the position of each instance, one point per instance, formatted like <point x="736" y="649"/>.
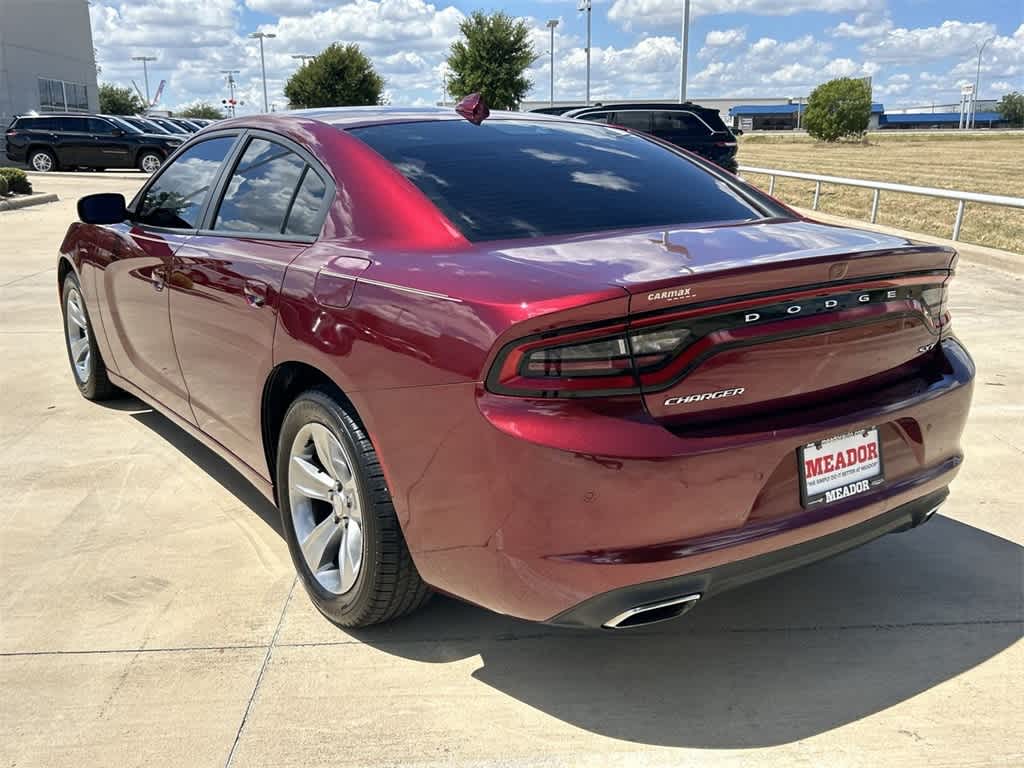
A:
<point x="516" y="178"/>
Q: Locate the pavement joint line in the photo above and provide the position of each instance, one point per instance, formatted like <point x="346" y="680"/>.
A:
<point x="259" y="677"/>
<point x="114" y="651"/>
<point x="27" y="277"/>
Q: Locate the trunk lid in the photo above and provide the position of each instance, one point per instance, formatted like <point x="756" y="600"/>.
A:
<point x="779" y="315"/>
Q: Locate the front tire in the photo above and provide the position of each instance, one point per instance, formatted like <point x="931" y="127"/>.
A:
<point x="42" y="160"/>
<point x="338" y="519"/>
<point x="150" y="162"/>
<point x="87" y="366"/>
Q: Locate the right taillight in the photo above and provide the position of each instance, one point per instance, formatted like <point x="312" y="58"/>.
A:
<point x="935" y="300"/>
<point x="607" y="361"/>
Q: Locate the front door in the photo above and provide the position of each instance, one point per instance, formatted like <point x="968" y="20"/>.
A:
<point x="166" y="215"/>
<point x="224" y="289"/>
<point x="108" y="148"/>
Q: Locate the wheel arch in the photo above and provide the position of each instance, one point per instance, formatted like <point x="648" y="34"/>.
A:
<point x="64" y="266"/>
<point x="36" y="145"/>
<point x="286" y="382"/>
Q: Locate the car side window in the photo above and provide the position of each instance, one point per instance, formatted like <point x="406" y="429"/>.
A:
<point x="596" y="117"/>
<point x="304" y="217"/>
<point x="637" y="119"/>
<point x="177" y="196"/>
<point x="102" y="127"/>
<point x="261" y="189"/>
<point x="679" y="122"/>
<point x="74" y="124"/>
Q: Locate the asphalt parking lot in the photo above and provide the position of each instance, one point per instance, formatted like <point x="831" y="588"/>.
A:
<point x="150" y="617"/>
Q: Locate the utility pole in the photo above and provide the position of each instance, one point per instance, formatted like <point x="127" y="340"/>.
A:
<point x="977" y="80"/>
<point x="231" y="87"/>
<point x="552" y="23"/>
<point x="261" y="36"/>
<point x="684" y="50"/>
<point x="585" y="5"/>
<point x="145" y="72"/>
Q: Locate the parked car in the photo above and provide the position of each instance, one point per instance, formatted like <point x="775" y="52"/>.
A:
<point x="146" y="126"/>
<point x="558" y="369"/>
<point x="191" y="126"/>
<point x="54" y="141"/>
<point x="690" y="126"/>
<point x="168" y="125"/>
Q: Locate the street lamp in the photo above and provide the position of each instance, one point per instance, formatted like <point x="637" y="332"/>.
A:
<point x="145" y="72"/>
<point x="552" y="23"/>
<point x="684" y="49"/>
<point x="977" y="80"/>
<point x="263" y="64"/>
<point x="584" y="5"/>
<point x="304" y="57"/>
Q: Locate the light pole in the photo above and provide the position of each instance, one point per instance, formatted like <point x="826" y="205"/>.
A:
<point x="684" y="50"/>
<point x="552" y="23"/>
<point x="263" y="64"/>
<point x="303" y="57"/>
<point x="584" y="5"/>
<point x="231" y="87"/>
<point x="145" y="72"/>
<point x="977" y="80"/>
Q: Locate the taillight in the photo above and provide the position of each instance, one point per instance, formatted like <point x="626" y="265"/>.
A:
<point x="936" y="304"/>
<point x="585" y="364"/>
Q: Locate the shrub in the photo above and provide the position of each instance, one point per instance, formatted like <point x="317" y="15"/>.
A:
<point x="4" y="189"/>
<point x="17" y="181"/>
<point x="838" y="109"/>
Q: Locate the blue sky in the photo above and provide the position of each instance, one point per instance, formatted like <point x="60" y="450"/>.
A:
<point x="917" y="51"/>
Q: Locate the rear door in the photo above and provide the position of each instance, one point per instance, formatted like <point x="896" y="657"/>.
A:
<point x="108" y="147"/>
<point x="226" y="280"/>
<point x="74" y="142"/>
<point x="164" y="216"/>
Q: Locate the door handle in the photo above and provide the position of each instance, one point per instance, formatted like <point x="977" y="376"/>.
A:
<point x="255" y="292"/>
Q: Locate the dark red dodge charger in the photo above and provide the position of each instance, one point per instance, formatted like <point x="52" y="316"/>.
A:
<point x="558" y="369"/>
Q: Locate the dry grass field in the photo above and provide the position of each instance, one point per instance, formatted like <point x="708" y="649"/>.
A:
<point x="977" y="163"/>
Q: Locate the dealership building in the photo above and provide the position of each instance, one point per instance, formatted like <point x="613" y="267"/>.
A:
<point x="47" y="63"/>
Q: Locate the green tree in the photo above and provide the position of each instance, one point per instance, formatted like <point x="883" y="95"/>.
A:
<point x="1011" y="107"/>
<point x="119" y="101"/>
<point x="202" y="110"/>
<point x="339" y="76"/>
<point x="492" y="59"/>
<point x="838" y="109"/>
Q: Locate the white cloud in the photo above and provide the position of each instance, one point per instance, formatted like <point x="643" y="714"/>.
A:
<point x="865" y="25"/>
<point x="720" y="37"/>
<point x="652" y="12"/>
<point x="951" y="38"/>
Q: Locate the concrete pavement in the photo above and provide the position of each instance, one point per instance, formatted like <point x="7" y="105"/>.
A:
<point x="150" y="616"/>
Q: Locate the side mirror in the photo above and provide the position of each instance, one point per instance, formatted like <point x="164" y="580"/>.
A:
<point x="102" y="208"/>
<point x="120" y="132"/>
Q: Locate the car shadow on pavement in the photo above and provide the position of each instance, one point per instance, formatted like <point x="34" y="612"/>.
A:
<point x="208" y="461"/>
<point x="771" y="663"/>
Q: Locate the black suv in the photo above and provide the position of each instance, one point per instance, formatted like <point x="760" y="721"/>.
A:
<point x="51" y="142"/>
<point x="687" y="125"/>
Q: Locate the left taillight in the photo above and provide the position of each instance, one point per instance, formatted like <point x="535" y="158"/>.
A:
<point x="606" y="362"/>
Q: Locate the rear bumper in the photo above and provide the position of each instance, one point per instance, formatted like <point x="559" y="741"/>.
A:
<point x="599" y="610"/>
<point x="532" y="508"/>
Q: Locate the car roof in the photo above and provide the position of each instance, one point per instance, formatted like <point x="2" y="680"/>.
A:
<point x="671" y="106"/>
<point x="352" y="117"/>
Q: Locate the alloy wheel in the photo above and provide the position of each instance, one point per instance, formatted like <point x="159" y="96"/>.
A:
<point x="42" y="162"/>
<point x="77" y="327"/>
<point x="150" y="163"/>
<point x="324" y="497"/>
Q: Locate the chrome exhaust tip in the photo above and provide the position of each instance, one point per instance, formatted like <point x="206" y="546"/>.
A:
<point x="931" y="513"/>
<point x="652" y="613"/>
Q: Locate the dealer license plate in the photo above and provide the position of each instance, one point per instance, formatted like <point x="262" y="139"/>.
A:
<point x="840" y="467"/>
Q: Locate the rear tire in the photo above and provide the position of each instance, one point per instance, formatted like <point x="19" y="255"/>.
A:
<point x="87" y="366"/>
<point x="338" y="519"/>
<point x="42" y="160"/>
